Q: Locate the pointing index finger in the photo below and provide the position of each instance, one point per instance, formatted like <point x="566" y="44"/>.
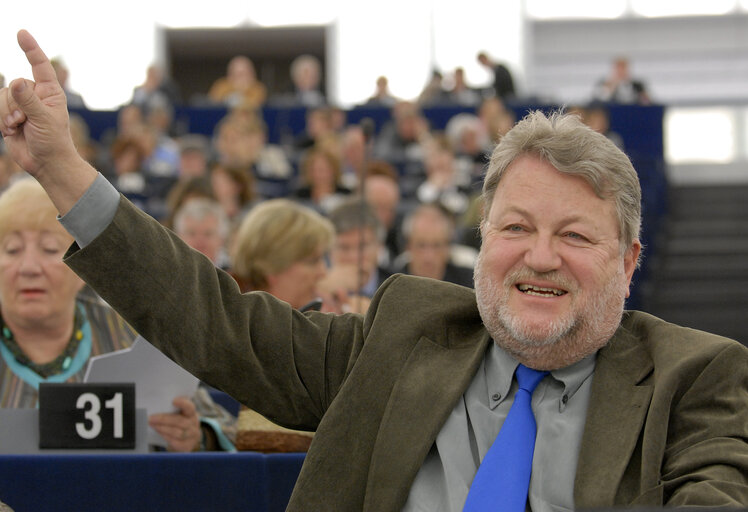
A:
<point x="41" y="68"/>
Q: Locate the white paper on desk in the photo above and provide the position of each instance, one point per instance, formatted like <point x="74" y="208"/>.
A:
<point x="158" y="380"/>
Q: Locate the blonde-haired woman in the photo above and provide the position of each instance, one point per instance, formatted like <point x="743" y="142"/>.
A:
<point x="280" y="248"/>
<point x="49" y="330"/>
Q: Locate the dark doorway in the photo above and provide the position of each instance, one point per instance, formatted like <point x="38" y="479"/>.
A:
<point x="197" y="56"/>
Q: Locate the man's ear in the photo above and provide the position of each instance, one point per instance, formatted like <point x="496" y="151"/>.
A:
<point x="630" y="262"/>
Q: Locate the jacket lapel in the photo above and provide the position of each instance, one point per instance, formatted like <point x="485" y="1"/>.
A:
<point x="616" y="413"/>
<point x="432" y="380"/>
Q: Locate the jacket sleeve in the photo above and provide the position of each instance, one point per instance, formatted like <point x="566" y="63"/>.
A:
<point x="286" y="365"/>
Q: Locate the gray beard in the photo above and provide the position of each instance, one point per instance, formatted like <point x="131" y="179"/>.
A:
<point x="563" y="341"/>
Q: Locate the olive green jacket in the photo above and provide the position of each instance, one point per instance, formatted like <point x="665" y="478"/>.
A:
<point x="667" y="420"/>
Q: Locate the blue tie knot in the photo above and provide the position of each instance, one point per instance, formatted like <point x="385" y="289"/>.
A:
<point x="528" y="379"/>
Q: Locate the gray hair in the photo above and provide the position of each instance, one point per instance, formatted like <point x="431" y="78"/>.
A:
<point x="428" y="209"/>
<point x="200" y="208"/>
<point x="574" y="149"/>
<point x="355" y="213"/>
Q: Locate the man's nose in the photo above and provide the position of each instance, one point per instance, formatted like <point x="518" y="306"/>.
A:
<point x="542" y="254"/>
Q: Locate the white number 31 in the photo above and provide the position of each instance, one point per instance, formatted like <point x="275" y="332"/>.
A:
<point x="92" y="405"/>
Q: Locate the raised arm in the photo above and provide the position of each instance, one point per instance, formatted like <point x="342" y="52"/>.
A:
<point x="34" y="123"/>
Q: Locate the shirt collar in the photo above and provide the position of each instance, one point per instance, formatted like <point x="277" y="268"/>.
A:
<point x="500" y="367"/>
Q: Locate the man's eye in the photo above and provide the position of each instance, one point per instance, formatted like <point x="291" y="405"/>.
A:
<point x="515" y="228"/>
<point x="575" y="236"/>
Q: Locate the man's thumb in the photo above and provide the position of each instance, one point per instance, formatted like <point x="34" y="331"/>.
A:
<point x="22" y="91"/>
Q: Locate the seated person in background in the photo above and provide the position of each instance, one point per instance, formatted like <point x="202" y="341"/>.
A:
<point x="203" y="224"/>
<point x="74" y="99"/>
<point x="280" y="248"/>
<point x="157" y="89"/>
<point x="240" y="87"/>
<point x="433" y="93"/>
<point x="194" y="156"/>
<point x="319" y="128"/>
<point x="50" y="329"/>
<point x="240" y="141"/>
<point x="382" y="192"/>
<point x="306" y="75"/>
<point x="597" y="117"/>
<point x="183" y="191"/>
<point x="429" y="233"/>
<point x="382" y="96"/>
<point x="461" y="93"/>
<point x="445" y="183"/>
<point x="354" y="269"/>
<point x="234" y="188"/>
<point x="620" y="87"/>
<point x="320" y="184"/>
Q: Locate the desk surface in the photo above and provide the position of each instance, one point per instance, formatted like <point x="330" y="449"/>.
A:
<point x="243" y="481"/>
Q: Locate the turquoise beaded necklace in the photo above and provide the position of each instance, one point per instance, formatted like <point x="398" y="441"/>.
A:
<point x="59" y="364"/>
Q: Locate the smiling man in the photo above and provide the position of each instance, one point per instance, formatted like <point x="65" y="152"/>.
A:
<point x="407" y="400"/>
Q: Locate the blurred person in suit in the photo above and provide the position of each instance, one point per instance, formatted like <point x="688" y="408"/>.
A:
<point x="354" y="258"/>
<point x="74" y="99"/>
<point x="503" y="82"/>
<point x="620" y="87"/>
<point x="429" y="233"/>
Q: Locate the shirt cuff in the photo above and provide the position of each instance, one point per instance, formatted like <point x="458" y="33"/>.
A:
<point x="93" y="212"/>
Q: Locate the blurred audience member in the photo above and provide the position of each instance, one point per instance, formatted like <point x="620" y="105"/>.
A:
<point x="429" y="233"/>
<point x="87" y="147"/>
<point x="280" y="248"/>
<point x="472" y="147"/>
<point x="234" y="189"/>
<point x="382" y="192"/>
<point x="240" y="88"/>
<point x="620" y="87"/>
<point x="461" y="93"/>
<point x="319" y="129"/>
<point x="496" y="118"/>
<point x="354" y="155"/>
<point x="204" y="226"/>
<point x="306" y="75"/>
<point x="382" y="96"/>
<point x="503" y="83"/>
<point x="127" y="165"/>
<point x="355" y="253"/>
<point x="444" y="183"/>
<point x="320" y="185"/>
<point x="401" y="142"/>
<point x="194" y="156"/>
<point x="74" y="100"/>
<point x="185" y="190"/>
<point x="597" y="117"/>
<point x="433" y="92"/>
<point x="157" y="89"/>
<point x="50" y="329"/>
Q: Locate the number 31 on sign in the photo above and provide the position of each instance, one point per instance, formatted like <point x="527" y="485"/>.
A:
<point x="77" y="415"/>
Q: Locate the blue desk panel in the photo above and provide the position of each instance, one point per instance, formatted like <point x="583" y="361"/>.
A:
<point x="243" y="481"/>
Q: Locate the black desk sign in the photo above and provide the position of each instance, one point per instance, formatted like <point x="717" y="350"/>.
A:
<point x="77" y="415"/>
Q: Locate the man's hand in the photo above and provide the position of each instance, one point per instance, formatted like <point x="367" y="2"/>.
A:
<point x="34" y="123"/>
<point x="180" y="430"/>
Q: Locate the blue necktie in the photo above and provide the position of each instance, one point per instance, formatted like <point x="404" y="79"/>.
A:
<point x="503" y="478"/>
